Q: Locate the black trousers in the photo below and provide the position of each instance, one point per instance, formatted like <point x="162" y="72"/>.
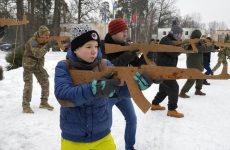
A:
<point x="168" y="88"/>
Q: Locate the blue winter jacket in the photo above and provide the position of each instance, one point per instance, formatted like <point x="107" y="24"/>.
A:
<point x="91" y="118"/>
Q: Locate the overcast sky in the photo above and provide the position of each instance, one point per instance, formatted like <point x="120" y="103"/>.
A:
<point x="210" y="10"/>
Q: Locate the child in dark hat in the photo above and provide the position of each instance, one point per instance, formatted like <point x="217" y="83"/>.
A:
<point x="86" y="109"/>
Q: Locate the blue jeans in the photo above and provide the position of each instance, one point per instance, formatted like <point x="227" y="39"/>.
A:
<point x="127" y="109"/>
<point x="208" y="69"/>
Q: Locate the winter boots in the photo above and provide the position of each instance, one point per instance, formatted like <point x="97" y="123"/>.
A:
<point x="183" y="95"/>
<point x="26" y="108"/>
<point x="198" y="92"/>
<point x="45" y="105"/>
<point x="171" y="113"/>
<point x="157" y="107"/>
<point x="205" y="82"/>
<point x="174" y="113"/>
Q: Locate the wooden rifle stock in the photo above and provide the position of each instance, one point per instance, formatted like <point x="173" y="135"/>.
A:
<point x="58" y="39"/>
<point x="13" y="22"/>
<point x="155" y="72"/>
<point x="144" y="48"/>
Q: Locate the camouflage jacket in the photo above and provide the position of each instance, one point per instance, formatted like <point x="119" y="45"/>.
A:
<point x="34" y="53"/>
<point x="225" y="53"/>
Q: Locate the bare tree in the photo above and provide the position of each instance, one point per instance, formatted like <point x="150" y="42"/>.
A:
<point x="7" y="8"/>
<point x="86" y="8"/>
<point x="166" y="12"/>
<point x="192" y="21"/>
<point x="215" y="25"/>
<point x="20" y="13"/>
<point x="151" y="17"/>
<point x="56" y="17"/>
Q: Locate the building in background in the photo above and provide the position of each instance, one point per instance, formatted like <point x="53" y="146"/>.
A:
<point x="186" y="32"/>
<point x="220" y="35"/>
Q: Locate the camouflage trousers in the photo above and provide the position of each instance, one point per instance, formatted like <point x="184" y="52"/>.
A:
<point x="190" y="82"/>
<point x="220" y="60"/>
<point x="42" y="77"/>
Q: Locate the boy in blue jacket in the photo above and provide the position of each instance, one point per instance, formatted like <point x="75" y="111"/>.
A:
<point x="86" y="109"/>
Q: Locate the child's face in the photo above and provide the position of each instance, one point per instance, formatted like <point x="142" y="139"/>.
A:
<point x="88" y="52"/>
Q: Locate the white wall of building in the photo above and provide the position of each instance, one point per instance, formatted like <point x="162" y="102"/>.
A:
<point x="186" y="32"/>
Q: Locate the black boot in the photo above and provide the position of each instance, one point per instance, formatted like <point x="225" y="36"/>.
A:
<point x="205" y="82"/>
<point x="199" y="92"/>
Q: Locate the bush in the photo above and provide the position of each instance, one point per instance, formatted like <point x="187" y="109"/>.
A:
<point x="14" y="58"/>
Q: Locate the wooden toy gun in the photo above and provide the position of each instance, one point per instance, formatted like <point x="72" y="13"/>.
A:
<point x="155" y="72"/>
<point x="145" y="48"/>
<point x="13" y="22"/>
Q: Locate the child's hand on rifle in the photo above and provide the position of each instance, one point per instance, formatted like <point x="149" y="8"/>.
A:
<point x="105" y="87"/>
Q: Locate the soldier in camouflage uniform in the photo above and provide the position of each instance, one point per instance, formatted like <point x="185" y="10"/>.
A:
<point x="33" y="63"/>
<point x="223" y="55"/>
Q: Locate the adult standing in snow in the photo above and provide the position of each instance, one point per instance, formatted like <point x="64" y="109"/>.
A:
<point x="118" y="34"/>
<point x="33" y="64"/>
<point x="169" y="88"/>
<point x="207" y="59"/>
<point x="86" y="112"/>
<point x="195" y="60"/>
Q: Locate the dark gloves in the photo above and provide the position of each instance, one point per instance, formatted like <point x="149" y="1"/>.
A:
<point x="105" y="87"/>
<point x="143" y="81"/>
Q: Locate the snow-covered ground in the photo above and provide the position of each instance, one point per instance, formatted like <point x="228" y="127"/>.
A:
<point x="206" y="124"/>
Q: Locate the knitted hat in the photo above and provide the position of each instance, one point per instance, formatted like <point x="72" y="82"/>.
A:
<point x="117" y="25"/>
<point x="175" y="27"/>
<point x="43" y="30"/>
<point x="82" y="34"/>
<point x="195" y="34"/>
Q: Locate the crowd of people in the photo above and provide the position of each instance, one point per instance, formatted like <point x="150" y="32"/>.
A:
<point x="86" y="109"/>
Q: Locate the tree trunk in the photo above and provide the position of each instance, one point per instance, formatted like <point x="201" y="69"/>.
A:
<point x="79" y="11"/>
<point x="56" y="18"/>
<point x="20" y="29"/>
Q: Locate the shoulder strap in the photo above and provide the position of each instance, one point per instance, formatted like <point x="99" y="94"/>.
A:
<point x="66" y="103"/>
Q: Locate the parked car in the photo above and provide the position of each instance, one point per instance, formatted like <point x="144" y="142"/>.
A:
<point x="6" y="46"/>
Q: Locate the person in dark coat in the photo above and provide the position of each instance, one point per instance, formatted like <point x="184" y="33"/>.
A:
<point x="207" y="59"/>
<point x="194" y="60"/>
<point x="169" y="88"/>
<point x="117" y="34"/>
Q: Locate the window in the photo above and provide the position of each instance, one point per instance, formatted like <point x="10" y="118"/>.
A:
<point x="186" y="33"/>
<point x="164" y="32"/>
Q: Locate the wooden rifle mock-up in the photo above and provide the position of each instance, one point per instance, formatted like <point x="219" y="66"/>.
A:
<point x="145" y="48"/>
<point x="13" y="22"/>
<point x="58" y="39"/>
<point x="125" y="74"/>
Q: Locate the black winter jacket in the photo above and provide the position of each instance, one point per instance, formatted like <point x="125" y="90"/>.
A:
<point x="167" y="58"/>
<point x="121" y="58"/>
